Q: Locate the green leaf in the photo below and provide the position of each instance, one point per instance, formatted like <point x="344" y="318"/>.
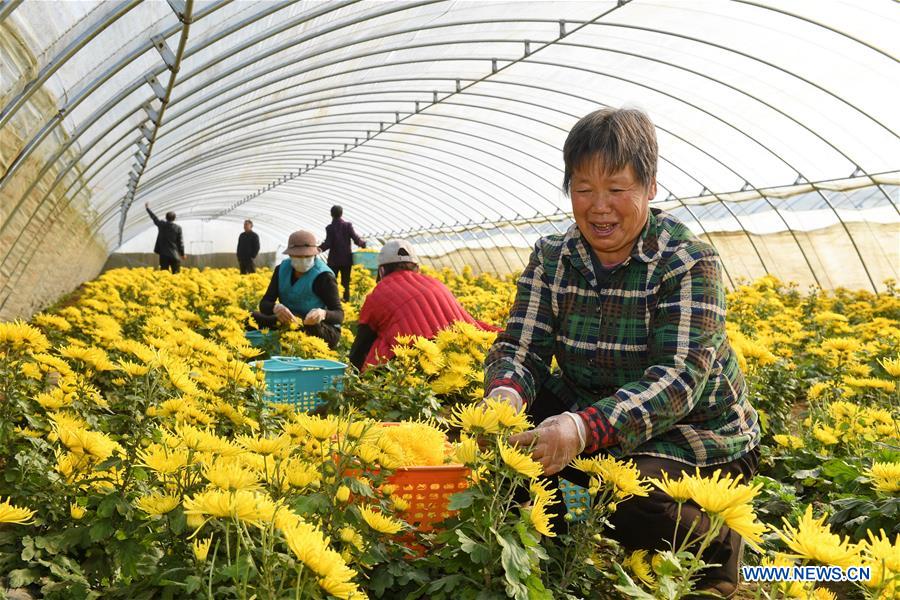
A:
<point x="628" y="587"/>
<point x="806" y="474"/>
<point x="461" y="500"/>
<point x="840" y="472"/>
<point x="516" y="565"/>
<point x="107" y="506"/>
<point x="27" y="548"/>
<point x="177" y="520"/>
<point x="100" y="530"/>
<point x="447" y="583"/>
<point x="192" y="584"/>
<point x="536" y="589"/>
<point x="359" y="487"/>
<point x="478" y="554"/>
<point x="22" y="577"/>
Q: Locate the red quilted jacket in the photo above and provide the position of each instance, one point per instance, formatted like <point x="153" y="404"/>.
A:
<point x="409" y="303"/>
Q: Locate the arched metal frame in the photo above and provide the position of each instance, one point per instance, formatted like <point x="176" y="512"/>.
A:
<point x="362" y="158"/>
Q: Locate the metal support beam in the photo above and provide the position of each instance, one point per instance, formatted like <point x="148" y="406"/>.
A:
<point x="159" y="42"/>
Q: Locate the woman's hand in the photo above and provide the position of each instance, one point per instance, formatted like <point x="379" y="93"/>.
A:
<point x="314" y="317"/>
<point x="284" y="314"/>
<point x="557" y="441"/>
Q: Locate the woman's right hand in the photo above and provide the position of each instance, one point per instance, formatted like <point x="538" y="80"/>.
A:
<point x="284" y="314"/>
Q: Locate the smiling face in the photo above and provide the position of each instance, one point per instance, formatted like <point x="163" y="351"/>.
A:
<point x="610" y="209"/>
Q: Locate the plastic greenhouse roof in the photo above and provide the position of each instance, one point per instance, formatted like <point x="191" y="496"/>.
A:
<point x="430" y="114"/>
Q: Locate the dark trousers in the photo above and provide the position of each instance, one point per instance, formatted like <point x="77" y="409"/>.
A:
<point x="246" y="265"/>
<point x="342" y="272"/>
<point x="649" y="522"/>
<point x="169" y="262"/>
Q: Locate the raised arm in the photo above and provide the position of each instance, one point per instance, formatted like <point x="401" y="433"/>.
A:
<point x="156" y="221"/>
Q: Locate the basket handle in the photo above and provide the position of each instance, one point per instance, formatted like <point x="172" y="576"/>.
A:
<point x="288" y="360"/>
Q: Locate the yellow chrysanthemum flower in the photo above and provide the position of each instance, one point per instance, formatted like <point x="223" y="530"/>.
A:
<point x="77" y="512"/>
<point x="312" y="549"/>
<point x="467" y="450"/>
<point x="201" y="548"/>
<point x="265" y="445"/>
<point x="422" y="443"/>
<point x="539" y="518"/>
<point x="891" y="365"/>
<point x="844" y="346"/>
<point x="883" y="558"/>
<point x="519" y="461"/>
<point x="157" y="504"/>
<point x="817" y="389"/>
<point x="342" y="494"/>
<point x="825" y="435"/>
<point x="475" y="419"/>
<point x="678" y="489"/>
<point x="791" y="442"/>
<point x="638" y="565"/>
<point x="320" y="428"/>
<point x="885" y="476"/>
<point x="163" y="460"/>
<point x="380" y="522"/>
<point x="132" y="368"/>
<point x="508" y="416"/>
<point x="243" y="505"/>
<point x="22" y="337"/>
<point x="9" y="513"/>
<point x="624" y="476"/>
<point x="231" y="475"/>
<point x="811" y="539"/>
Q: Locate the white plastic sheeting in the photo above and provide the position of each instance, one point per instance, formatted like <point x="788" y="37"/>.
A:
<point x="418" y="115"/>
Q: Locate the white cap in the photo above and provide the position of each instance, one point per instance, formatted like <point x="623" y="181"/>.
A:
<point x="396" y="251"/>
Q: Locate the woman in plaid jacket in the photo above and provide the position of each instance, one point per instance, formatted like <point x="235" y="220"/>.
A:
<point x="632" y="306"/>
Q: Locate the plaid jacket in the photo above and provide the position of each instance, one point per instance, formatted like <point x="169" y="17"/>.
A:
<point x="647" y="354"/>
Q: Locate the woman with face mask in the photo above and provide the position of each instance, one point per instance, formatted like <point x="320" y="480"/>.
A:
<point x="303" y="288"/>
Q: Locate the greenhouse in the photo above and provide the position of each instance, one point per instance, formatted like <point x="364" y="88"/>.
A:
<point x="433" y="299"/>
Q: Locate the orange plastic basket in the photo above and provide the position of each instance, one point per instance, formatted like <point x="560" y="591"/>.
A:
<point x="428" y="491"/>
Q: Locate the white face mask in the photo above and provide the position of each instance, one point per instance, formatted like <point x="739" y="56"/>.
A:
<point x="302" y="263"/>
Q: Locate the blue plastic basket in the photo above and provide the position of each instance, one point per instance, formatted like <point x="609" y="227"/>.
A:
<point x="258" y="339"/>
<point x="577" y="498"/>
<point x="367" y="259"/>
<point x="298" y="381"/>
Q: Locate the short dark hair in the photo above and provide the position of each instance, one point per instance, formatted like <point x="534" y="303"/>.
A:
<point x="399" y="266"/>
<point x="336" y="211"/>
<point x="248" y="221"/>
<point x="619" y="137"/>
<point x="170" y="216"/>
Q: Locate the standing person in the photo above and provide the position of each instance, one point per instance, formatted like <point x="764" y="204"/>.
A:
<point x="169" y="242"/>
<point x="404" y="302"/>
<point x="303" y="287"/>
<point x="632" y="306"/>
<point x="247" y="248"/>
<point x="337" y="242"/>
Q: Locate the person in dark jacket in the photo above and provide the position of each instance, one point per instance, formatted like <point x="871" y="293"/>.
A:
<point x="337" y="243"/>
<point x="404" y="302"/>
<point x="169" y="242"/>
<point x="247" y="248"/>
<point x="303" y="288"/>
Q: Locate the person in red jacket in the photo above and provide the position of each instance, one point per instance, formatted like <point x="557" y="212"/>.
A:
<point x="404" y="302"/>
